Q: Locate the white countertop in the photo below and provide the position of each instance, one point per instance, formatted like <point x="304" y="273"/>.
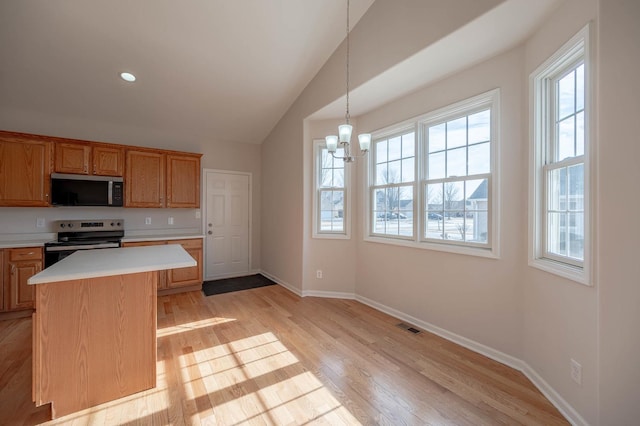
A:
<point x="160" y="237"/>
<point x="116" y="261"/>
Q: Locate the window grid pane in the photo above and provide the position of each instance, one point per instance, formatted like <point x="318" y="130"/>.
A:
<point x="331" y="192"/>
<point x="563" y="214"/>
<point x="459" y="159"/>
<point x="392" y="197"/>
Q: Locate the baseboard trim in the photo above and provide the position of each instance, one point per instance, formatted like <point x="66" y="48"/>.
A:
<point x="282" y="283"/>
<point x="547" y="390"/>
<point x="445" y="334"/>
<point x="328" y="294"/>
<point x="558" y="401"/>
<point x="554" y="397"/>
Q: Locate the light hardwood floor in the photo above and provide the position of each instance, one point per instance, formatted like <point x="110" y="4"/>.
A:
<point x="266" y="356"/>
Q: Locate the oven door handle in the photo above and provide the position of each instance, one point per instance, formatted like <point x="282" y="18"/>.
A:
<point x="82" y="247"/>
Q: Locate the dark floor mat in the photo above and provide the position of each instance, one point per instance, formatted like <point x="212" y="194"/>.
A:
<point x="235" y="284"/>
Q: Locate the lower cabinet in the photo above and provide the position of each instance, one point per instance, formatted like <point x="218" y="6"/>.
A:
<point x="172" y="280"/>
<point x="20" y="264"/>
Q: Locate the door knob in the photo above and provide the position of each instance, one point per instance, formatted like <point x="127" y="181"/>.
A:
<point x="210" y="225"/>
<point x="210" y="233"/>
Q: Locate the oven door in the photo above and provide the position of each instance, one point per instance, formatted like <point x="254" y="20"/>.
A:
<point x="55" y="253"/>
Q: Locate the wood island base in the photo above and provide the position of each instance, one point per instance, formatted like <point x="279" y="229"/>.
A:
<point x="94" y="340"/>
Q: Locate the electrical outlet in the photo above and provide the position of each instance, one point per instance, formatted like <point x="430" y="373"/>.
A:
<point x="170" y="221"/>
<point x="576" y="371"/>
<point x="147" y="221"/>
<point x="197" y="214"/>
<point x="40" y="222"/>
<point x="319" y="274"/>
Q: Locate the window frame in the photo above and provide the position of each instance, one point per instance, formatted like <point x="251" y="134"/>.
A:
<point x="396" y="131"/>
<point x="543" y="143"/>
<point x="488" y="100"/>
<point x="318" y="146"/>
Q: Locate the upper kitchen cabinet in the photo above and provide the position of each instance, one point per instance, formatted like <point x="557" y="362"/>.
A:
<point x="108" y="160"/>
<point x="25" y="169"/>
<point x="162" y="179"/>
<point x="144" y="179"/>
<point x="89" y="159"/>
<point x="183" y="180"/>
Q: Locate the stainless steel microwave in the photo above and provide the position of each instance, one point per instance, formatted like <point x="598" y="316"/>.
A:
<point x="81" y="190"/>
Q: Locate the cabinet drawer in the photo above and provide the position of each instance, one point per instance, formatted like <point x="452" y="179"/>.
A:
<point x="27" y="253"/>
<point x="194" y="243"/>
<point x="144" y="243"/>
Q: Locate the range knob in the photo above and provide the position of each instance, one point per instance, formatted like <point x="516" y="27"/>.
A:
<point x="62" y="225"/>
<point x="118" y="223"/>
<point x="112" y="224"/>
<point x="71" y="225"/>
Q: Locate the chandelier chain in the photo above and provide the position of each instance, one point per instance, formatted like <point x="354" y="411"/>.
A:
<point x="347" y="115"/>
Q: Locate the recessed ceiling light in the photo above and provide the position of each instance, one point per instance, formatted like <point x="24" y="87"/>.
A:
<point x="127" y="76"/>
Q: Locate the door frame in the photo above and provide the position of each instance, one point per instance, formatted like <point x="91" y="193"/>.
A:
<point x="203" y="204"/>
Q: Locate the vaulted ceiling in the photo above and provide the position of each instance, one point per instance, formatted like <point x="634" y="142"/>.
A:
<point x="209" y="69"/>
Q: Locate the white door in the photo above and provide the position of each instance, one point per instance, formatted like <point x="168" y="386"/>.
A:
<point x="226" y="224"/>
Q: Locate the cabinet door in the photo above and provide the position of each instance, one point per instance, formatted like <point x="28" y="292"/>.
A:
<point x="162" y="275"/>
<point x="183" y="181"/>
<point x="21" y="294"/>
<point x="72" y="158"/>
<point x="2" y="291"/>
<point x="22" y="264"/>
<point x="187" y="276"/>
<point x="25" y="170"/>
<point x="108" y="161"/>
<point x="144" y="180"/>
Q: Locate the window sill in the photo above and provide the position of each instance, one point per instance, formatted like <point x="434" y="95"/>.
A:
<point x="570" y="272"/>
<point x="447" y="248"/>
<point x="331" y="236"/>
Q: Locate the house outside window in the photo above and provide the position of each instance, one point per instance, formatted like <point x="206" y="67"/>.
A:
<point x="451" y="205"/>
<point x="560" y="162"/>
<point x="331" y="200"/>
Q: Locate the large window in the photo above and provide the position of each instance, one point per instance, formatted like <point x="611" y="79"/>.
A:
<point x="456" y="184"/>
<point x="331" y="193"/>
<point x="432" y="180"/>
<point x="560" y="189"/>
<point x="394" y="178"/>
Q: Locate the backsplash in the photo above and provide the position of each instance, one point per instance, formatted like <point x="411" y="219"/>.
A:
<point x="18" y="223"/>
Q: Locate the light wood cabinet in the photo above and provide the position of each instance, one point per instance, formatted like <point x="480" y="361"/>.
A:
<point x="187" y="276"/>
<point x="72" y="158"/>
<point x="144" y="179"/>
<point x="107" y="160"/>
<point x="162" y="276"/>
<point x="183" y="181"/>
<point x="20" y="265"/>
<point x="147" y="173"/>
<point x="173" y="279"/>
<point x="88" y="159"/>
<point x="25" y="170"/>
<point x="2" y="290"/>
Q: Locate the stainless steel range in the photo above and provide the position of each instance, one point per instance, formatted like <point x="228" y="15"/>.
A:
<point x="76" y="235"/>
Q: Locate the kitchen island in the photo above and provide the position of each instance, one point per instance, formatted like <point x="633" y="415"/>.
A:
<point x="94" y="325"/>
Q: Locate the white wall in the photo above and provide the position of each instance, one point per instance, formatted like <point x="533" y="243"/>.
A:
<point x="387" y="34"/>
<point x="619" y="228"/>
<point x="478" y="298"/>
<point x="560" y="316"/>
<point x="335" y="257"/>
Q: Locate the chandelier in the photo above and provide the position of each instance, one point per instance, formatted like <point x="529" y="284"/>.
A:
<point x="344" y="130"/>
